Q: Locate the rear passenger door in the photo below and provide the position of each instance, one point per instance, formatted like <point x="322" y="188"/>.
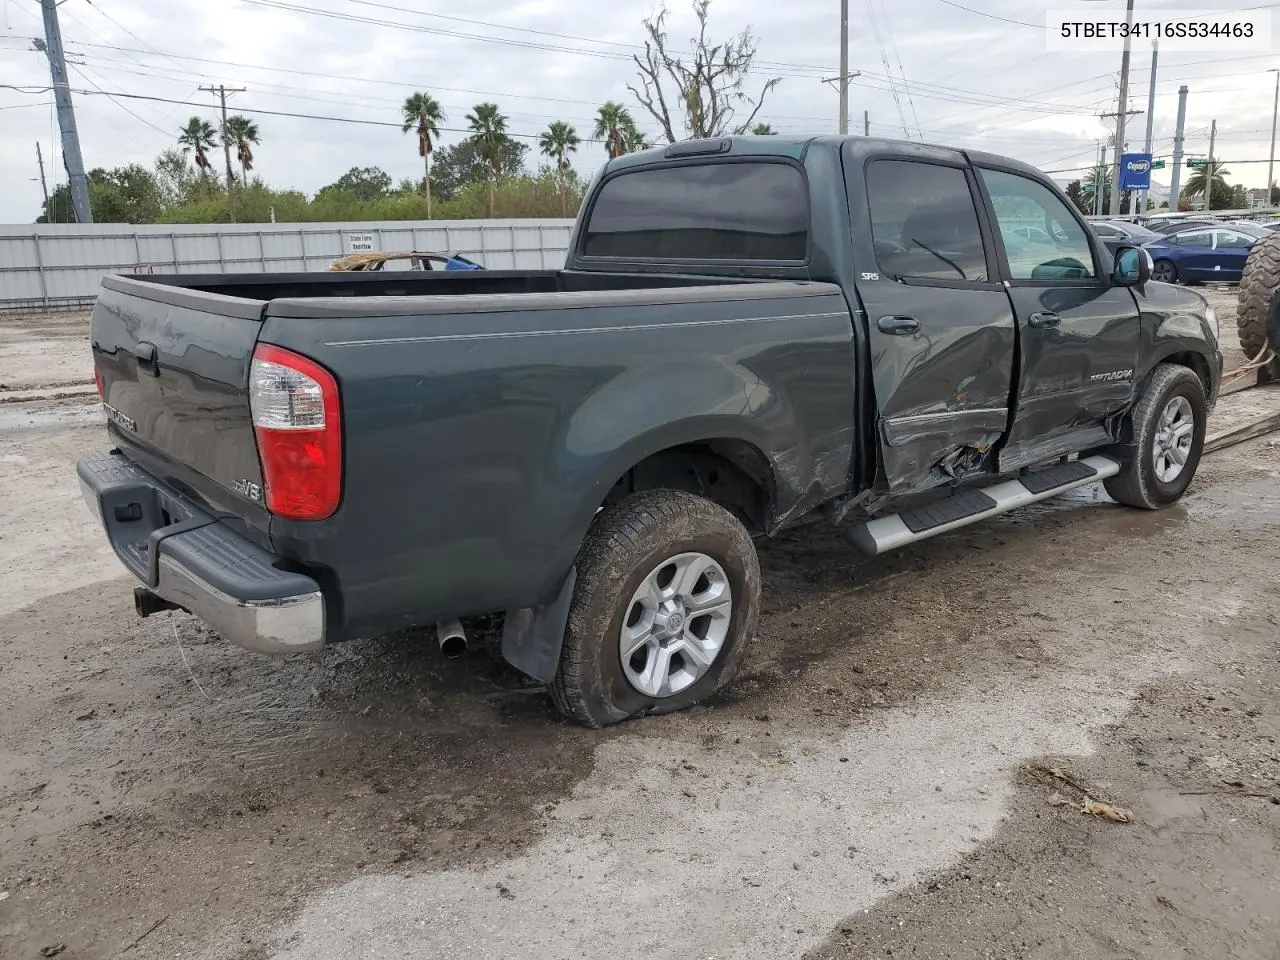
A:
<point x="1078" y="333"/>
<point x="940" y="325"/>
<point x="1231" y="249"/>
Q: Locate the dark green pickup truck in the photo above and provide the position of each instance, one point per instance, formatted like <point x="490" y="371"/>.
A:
<point x="895" y="337"/>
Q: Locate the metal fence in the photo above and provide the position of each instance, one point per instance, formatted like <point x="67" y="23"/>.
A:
<point x="49" y="265"/>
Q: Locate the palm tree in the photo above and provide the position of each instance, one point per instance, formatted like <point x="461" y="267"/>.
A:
<point x="1199" y="184"/>
<point x="633" y="140"/>
<point x="764" y="130"/>
<point x="556" y="143"/>
<point x="242" y="134"/>
<point x="488" y="133"/>
<point x="198" y="135"/>
<point x="613" y="124"/>
<point x="423" y="112"/>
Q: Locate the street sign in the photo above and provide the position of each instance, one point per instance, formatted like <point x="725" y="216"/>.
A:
<point x="1135" y="171"/>
<point x="1197" y="164"/>
<point x="1157" y="164"/>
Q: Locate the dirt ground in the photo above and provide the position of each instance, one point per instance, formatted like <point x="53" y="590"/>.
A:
<point x="874" y="784"/>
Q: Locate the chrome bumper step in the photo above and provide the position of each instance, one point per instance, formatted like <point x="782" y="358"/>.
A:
<point x="874" y="537"/>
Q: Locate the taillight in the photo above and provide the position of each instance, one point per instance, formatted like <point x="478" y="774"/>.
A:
<point x="97" y="382"/>
<point x="296" y="419"/>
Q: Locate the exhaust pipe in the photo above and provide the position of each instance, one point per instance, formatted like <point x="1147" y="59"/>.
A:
<point x="452" y="638"/>
<point x="145" y="603"/>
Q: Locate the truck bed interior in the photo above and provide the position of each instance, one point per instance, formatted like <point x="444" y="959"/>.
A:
<point x="272" y="286"/>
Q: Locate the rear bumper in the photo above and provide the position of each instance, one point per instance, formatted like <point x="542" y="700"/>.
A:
<point x="199" y="563"/>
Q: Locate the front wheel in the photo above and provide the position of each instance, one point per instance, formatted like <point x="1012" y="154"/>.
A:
<point x="666" y="601"/>
<point x="1164" y="271"/>
<point x="1168" y="427"/>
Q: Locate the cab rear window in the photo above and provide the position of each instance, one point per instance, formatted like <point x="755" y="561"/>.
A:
<point x="705" y="212"/>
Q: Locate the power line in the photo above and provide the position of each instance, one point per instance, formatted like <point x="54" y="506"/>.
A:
<point x="274" y="113"/>
<point x="991" y="16"/>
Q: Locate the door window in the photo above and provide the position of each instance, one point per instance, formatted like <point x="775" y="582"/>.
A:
<point x="924" y="222"/>
<point x="1107" y="231"/>
<point x="1195" y="238"/>
<point x="1230" y="239"/>
<point x="1042" y="240"/>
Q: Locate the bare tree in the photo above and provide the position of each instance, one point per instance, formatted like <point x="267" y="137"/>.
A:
<point x="707" y="88"/>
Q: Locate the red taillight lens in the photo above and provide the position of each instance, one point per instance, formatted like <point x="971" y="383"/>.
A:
<point x="297" y="422"/>
<point x="97" y="382"/>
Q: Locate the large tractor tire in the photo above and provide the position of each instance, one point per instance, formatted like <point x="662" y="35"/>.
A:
<point x="1259" y="308"/>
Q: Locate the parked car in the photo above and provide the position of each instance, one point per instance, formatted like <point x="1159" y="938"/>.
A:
<point x="747" y="332"/>
<point x="1166" y="227"/>
<point x="1196" y="256"/>
<point x="1118" y="233"/>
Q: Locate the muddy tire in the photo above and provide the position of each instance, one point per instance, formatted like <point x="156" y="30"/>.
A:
<point x="666" y="601"/>
<point x="1168" y="428"/>
<point x="1259" y="295"/>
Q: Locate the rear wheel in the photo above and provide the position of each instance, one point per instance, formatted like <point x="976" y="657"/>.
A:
<point x="1164" y="271"/>
<point x="666" y="601"/>
<point x="1168" y="426"/>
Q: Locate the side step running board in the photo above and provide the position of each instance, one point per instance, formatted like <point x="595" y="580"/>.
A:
<point x="970" y="506"/>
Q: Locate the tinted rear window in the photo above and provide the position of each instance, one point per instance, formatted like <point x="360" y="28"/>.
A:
<point x="722" y="211"/>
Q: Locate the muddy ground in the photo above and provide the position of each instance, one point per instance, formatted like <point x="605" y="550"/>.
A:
<point x="873" y="785"/>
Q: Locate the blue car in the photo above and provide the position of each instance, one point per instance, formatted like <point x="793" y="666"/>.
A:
<point x="1203" y="253"/>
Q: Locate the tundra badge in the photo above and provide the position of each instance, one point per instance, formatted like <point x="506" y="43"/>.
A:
<point x="127" y="422"/>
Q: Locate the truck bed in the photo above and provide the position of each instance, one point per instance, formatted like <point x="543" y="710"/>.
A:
<point x="274" y="286"/>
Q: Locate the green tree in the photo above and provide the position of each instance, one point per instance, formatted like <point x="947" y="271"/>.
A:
<point x="242" y="136"/>
<point x="489" y="132"/>
<point x="422" y="112"/>
<point x="1199" y="181"/>
<point x="1075" y="193"/>
<point x="763" y="130"/>
<point x="128" y="194"/>
<point x="362" y="183"/>
<point x="556" y="143"/>
<point x="174" y="177"/>
<point x="198" y="136"/>
<point x="616" y="127"/>
<point x="697" y="94"/>
<point x="460" y="165"/>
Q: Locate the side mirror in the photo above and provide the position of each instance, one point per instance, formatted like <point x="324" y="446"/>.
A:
<point x="1133" y="267"/>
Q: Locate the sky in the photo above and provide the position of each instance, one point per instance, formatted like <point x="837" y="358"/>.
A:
<point x="931" y="70"/>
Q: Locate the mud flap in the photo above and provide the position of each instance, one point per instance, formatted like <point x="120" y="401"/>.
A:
<point x="532" y="636"/>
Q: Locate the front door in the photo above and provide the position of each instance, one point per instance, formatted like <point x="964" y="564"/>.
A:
<point x="1078" y="333"/>
<point x="941" y="327"/>
<point x="1231" y="249"/>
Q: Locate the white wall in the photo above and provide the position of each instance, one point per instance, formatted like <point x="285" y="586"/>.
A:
<point x="55" y="264"/>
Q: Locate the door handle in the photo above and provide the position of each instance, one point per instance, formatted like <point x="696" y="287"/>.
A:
<point x="1042" y="320"/>
<point x="898" y="326"/>
<point x="145" y="354"/>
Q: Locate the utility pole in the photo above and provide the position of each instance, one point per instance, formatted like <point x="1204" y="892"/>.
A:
<point x="866" y="123"/>
<point x="1151" y="114"/>
<point x="71" y="155"/>
<point x="1271" y="161"/>
<point x="222" y="92"/>
<point x="1179" y="134"/>
<point x="1208" y="171"/>
<point x="844" y="68"/>
<point x="1100" y="182"/>
<point x="44" y="187"/>
<point x="1121" y="112"/>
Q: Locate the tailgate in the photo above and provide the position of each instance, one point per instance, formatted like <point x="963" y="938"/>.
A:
<point x="173" y="365"/>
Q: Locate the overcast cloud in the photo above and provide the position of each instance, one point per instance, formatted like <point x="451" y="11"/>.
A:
<point x="970" y="80"/>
